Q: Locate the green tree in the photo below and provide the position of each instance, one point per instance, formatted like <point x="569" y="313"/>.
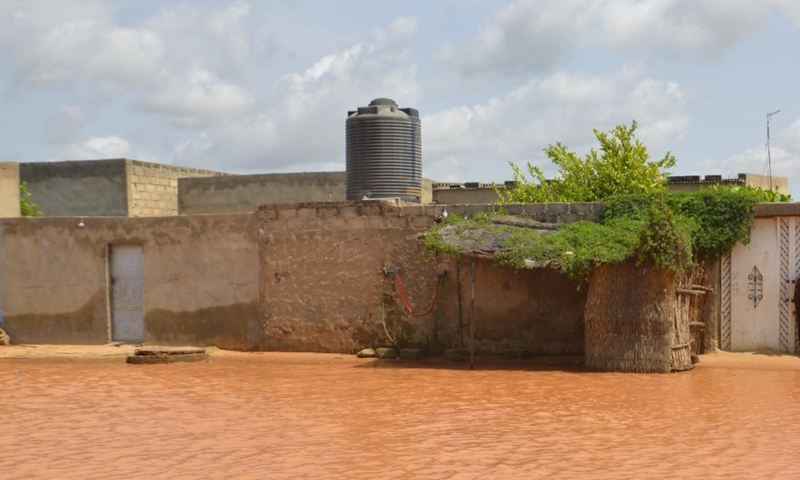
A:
<point x="26" y="207"/>
<point x="621" y="166"/>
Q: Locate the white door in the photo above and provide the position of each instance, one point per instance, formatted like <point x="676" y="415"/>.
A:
<point x="761" y="288"/>
<point x="127" y="312"/>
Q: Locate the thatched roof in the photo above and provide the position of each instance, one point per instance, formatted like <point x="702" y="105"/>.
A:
<point x="484" y="240"/>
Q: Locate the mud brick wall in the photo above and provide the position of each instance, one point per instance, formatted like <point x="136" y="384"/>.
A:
<point x="321" y="266"/>
<point x="199" y="278"/>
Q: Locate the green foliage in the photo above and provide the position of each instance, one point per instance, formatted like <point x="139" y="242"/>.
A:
<point x="26" y="207"/>
<point x="622" y="166"/>
<point x="668" y="229"/>
<point x="715" y="219"/>
<point x="575" y="249"/>
<point x="761" y="194"/>
<point x="662" y="242"/>
<point x="640" y="218"/>
<point x="433" y="241"/>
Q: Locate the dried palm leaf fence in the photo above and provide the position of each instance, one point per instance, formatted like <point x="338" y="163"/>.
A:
<point x="643" y="319"/>
<point x="629" y="319"/>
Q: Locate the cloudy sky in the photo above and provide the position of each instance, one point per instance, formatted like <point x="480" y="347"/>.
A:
<point x="264" y="86"/>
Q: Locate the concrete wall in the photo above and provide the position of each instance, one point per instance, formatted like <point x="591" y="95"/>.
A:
<point x="454" y="196"/>
<point x="321" y="267"/>
<point x="781" y="184"/>
<point x="427" y="191"/>
<point x="200" y="279"/>
<point x="9" y="189"/>
<point x="77" y="188"/>
<point x="244" y="193"/>
<point x="153" y="187"/>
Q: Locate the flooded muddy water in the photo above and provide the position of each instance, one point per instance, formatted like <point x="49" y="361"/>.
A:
<point x="324" y="416"/>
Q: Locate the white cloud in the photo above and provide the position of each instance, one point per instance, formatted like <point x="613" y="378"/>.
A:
<point x="305" y="126"/>
<point x="790" y="138"/>
<point x="792" y="10"/>
<point x="524" y="36"/>
<point x="561" y="107"/>
<point x="784" y="153"/>
<point x="402" y="28"/>
<point x="464" y="129"/>
<point x="95" y="148"/>
<point x="533" y="36"/>
<point x="683" y="28"/>
<point x="444" y="169"/>
<point x="64" y="123"/>
<point x="45" y="40"/>
<point x="659" y="108"/>
<point x="111" y="146"/>
<point x="227" y="28"/>
<point x="751" y="160"/>
<point x="128" y="58"/>
<point x="79" y="44"/>
<point x="201" y="99"/>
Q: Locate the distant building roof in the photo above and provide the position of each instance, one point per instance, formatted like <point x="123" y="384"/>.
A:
<point x="741" y="179"/>
<point x="708" y="179"/>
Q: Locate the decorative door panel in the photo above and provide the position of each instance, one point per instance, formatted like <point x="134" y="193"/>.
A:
<point x="757" y="286"/>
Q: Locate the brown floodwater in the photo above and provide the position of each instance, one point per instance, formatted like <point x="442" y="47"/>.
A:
<point x="325" y="416"/>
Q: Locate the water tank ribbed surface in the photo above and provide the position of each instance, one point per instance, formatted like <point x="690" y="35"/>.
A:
<point x="384" y="152"/>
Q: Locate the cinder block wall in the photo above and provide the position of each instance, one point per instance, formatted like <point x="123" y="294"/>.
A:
<point x="244" y="193"/>
<point x="77" y="188"/>
<point x="9" y="189"/>
<point x="153" y="187"/>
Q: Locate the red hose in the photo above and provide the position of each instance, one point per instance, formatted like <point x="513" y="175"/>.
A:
<point x="407" y="307"/>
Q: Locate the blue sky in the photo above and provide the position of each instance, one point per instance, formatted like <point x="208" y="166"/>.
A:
<point x="264" y="86"/>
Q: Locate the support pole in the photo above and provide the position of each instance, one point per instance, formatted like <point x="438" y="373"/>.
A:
<point x="460" y="313"/>
<point x="472" y="321"/>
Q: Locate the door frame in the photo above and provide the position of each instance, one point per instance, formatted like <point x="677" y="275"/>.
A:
<point x="109" y="287"/>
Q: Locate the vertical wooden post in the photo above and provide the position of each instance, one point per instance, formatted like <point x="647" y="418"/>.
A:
<point x="472" y="321"/>
<point x="460" y="314"/>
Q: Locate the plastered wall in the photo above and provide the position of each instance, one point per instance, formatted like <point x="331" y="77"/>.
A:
<point x="200" y="279"/>
<point x="293" y="277"/>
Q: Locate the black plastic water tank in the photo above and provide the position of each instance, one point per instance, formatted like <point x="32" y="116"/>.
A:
<point x="384" y="152"/>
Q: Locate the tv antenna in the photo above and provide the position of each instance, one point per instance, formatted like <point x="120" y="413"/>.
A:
<point x="769" y="155"/>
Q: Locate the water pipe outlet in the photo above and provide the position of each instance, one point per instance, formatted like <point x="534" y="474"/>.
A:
<point x="392" y="270"/>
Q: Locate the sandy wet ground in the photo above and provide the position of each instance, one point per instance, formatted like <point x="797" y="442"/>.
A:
<point x="81" y="412"/>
